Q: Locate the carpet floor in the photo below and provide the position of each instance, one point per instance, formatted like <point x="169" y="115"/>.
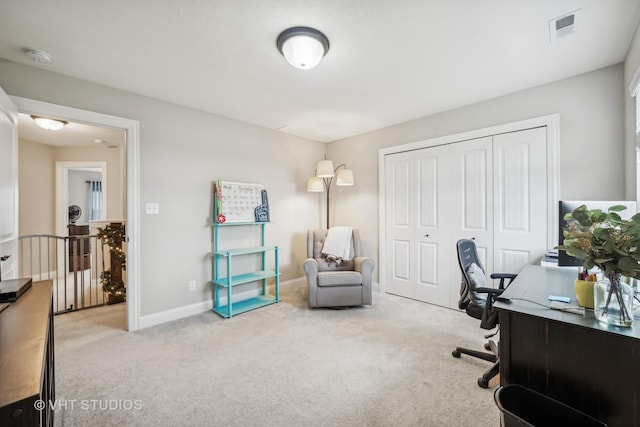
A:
<point x="388" y="364"/>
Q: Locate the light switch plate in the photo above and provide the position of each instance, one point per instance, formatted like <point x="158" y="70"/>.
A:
<point x="153" y="209"/>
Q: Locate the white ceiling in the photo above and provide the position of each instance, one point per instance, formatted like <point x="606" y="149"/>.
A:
<point x="390" y="60"/>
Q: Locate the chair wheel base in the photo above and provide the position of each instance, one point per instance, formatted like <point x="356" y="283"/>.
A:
<point x="483" y="383"/>
<point x="455" y="353"/>
<point x="487" y="346"/>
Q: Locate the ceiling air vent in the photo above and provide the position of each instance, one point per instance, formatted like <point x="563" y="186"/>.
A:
<point x="562" y="26"/>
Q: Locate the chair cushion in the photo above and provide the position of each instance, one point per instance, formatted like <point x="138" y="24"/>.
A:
<point x="477" y="300"/>
<point x="476" y="276"/>
<point x="319" y="237"/>
<point x="339" y="278"/>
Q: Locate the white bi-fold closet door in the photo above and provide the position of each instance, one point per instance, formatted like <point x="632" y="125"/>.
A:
<point x="491" y="189"/>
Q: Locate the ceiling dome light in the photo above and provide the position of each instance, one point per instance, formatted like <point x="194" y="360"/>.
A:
<point x="49" y="124"/>
<point x="303" y="47"/>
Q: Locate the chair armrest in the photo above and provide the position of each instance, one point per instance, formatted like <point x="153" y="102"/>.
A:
<point x="311" y="270"/>
<point x="502" y="277"/>
<point x="491" y="291"/>
<point x="363" y="265"/>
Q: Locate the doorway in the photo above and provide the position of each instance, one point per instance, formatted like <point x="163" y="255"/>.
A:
<point x="67" y="195"/>
<point x="130" y="183"/>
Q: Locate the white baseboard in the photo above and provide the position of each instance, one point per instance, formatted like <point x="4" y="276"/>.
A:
<point x="199" y="307"/>
<point x="173" y="314"/>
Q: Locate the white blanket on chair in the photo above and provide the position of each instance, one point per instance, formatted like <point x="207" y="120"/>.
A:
<point x="337" y="245"/>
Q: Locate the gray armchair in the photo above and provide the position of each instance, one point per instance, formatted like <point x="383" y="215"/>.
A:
<point x="337" y="286"/>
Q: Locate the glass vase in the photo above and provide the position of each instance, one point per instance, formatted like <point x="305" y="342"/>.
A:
<point x="613" y="301"/>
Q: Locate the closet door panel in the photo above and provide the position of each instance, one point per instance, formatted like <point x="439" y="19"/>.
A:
<point x="520" y="199"/>
<point x="432" y="232"/>
<point x="399" y="208"/>
<point x="471" y="206"/>
<point x="512" y="260"/>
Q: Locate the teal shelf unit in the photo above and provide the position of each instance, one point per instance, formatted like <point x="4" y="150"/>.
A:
<point x="230" y="280"/>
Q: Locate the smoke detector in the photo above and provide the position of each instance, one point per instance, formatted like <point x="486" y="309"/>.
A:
<point x="39" y="56"/>
<point x="563" y="26"/>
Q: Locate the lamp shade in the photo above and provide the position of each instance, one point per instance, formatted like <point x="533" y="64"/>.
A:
<point x="315" y="184"/>
<point x="303" y="47"/>
<point x="345" y="177"/>
<point x="324" y="169"/>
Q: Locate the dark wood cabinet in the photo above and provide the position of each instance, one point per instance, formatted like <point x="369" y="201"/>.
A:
<point x="573" y="358"/>
<point x="27" y="373"/>
<point x="79" y="247"/>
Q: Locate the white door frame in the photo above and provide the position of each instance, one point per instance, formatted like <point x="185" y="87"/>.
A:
<point x="132" y="128"/>
<point x="9" y="231"/>
<point x="62" y="191"/>
<point x="552" y="122"/>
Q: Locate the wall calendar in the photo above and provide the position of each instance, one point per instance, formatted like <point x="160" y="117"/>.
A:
<point x="240" y="202"/>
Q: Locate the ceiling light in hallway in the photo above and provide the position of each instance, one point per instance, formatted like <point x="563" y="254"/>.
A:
<point x="49" y="124"/>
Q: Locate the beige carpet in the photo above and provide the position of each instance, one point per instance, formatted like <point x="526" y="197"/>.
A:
<point x="389" y="364"/>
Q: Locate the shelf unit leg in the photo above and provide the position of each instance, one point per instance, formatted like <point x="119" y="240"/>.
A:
<point x="263" y="260"/>
<point x="217" y="293"/>
<point x="277" y="278"/>
<point x="229" y="287"/>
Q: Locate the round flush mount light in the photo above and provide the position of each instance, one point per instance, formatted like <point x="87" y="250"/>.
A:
<point x="303" y="47"/>
<point x="39" y="56"/>
<point x="49" y="124"/>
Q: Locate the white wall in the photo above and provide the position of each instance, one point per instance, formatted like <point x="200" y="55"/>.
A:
<point x="36" y="186"/>
<point x="592" y="148"/>
<point x="182" y="151"/>
<point x="115" y="186"/>
<point x="37" y="168"/>
<point x="79" y="192"/>
<point x="631" y="70"/>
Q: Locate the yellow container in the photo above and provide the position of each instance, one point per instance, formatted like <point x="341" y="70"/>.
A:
<point x="584" y="293"/>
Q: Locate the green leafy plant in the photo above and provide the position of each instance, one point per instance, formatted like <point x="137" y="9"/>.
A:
<point x="604" y="239"/>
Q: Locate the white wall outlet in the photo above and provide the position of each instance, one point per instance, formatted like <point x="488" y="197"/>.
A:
<point x="192" y="285"/>
<point x="153" y="209"/>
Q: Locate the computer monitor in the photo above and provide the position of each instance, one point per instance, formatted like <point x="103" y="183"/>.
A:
<point x="567" y="206"/>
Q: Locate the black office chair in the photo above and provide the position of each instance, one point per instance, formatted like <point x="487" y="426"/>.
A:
<point x="477" y="299"/>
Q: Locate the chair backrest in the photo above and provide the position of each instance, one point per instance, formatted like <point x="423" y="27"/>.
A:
<point x="315" y="242"/>
<point x="473" y="277"/>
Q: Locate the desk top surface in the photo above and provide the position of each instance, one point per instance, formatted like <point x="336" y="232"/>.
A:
<point x="529" y="292"/>
<point x="24" y="328"/>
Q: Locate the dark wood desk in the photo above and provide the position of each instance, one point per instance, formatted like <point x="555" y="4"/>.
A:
<point x="575" y="359"/>
<point x="27" y="359"/>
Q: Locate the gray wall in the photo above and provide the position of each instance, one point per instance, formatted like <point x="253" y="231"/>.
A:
<point x="182" y="152"/>
<point x="592" y="148"/>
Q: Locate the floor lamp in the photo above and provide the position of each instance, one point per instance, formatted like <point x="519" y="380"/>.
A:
<point x="325" y="173"/>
